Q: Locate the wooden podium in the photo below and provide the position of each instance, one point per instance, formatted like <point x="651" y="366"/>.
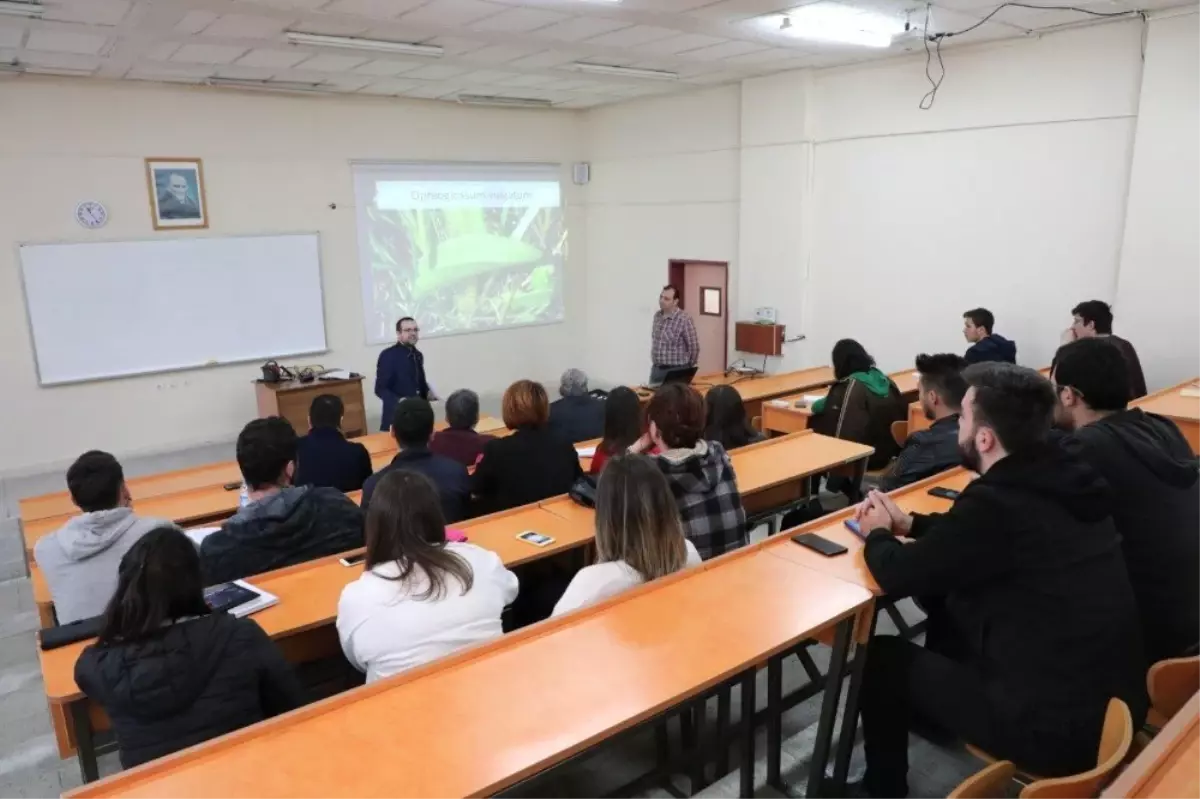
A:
<point x="291" y="400"/>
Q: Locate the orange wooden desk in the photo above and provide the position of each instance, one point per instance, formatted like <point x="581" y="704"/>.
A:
<point x="776" y="472"/>
<point x="916" y="416"/>
<point x="755" y="389"/>
<point x="782" y="415"/>
<point x="1183" y="411"/>
<point x="1170" y="765"/>
<point x="851" y="566"/>
<point x="495" y="715"/>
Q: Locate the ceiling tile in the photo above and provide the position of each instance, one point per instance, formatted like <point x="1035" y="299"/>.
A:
<point x="519" y="20"/>
<point x="245" y="26"/>
<point x="332" y="26"/>
<point x="456" y="46"/>
<point x="764" y="56"/>
<point x="719" y="52"/>
<point x="452" y="13"/>
<point x="573" y="85"/>
<point x="499" y="54"/>
<point x="207" y="54"/>
<point x="386" y="67"/>
<point x="377" y="9"/>
<point x="11" y="36"/>
<point x="732" y="10"/>
<point x="584" y="101"/>
<point x="332" y="63"/>
<point x="186" y="72"/>
<point x="56" y="41"/>
<point x="196" y="21"/>
<point x="527" y="80"/>
<point x="436" y="72"/>
<point x="545" y="60"/>
<point x="680" y="43"/>
<point x="389" y="87"/>
<point x="70" y="61"/>
<point x="287" y="5"/>
<point x="93" y="12"/>
<point x="432" y="91"/>
<point x="238" y="72"/>
<point x="161" y="52"/>
<point x="631" y="37"/>
<point x="488" y="76"/>
<point x="347" y="83"/>
<point x="579" y="28"/>
<point x="272" y="59"/>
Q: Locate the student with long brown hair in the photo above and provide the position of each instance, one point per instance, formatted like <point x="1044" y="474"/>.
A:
<point x="638" y="534"/>
<point x="420" y="596"/>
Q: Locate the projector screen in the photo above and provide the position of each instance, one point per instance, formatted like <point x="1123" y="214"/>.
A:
<point x="459" y="247"/>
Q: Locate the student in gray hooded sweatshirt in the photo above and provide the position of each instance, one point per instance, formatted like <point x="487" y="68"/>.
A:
<point x="80" y="559"/>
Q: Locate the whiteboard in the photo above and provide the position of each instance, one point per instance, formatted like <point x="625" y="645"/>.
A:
<point x="110" y="309"/>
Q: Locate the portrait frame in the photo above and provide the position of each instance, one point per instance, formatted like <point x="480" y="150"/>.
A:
<point x="176" y="191"/>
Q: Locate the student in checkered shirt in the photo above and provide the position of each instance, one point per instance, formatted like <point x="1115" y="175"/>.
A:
<point x="699" y="471"/>
<point x="673" y="340"/>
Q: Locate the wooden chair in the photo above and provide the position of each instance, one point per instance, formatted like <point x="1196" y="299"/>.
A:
<point x="1171" y="683"/>
<point x="900" y="432"/>
<point x="1115" y="740"/>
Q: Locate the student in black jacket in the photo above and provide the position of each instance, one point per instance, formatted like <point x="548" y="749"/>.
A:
<point x="531" y="464"/>
<point x="324" y="458"/>
<point x="1094" y="319"/>
<point x="283" y="524"/>
<point x="927" y="452"/>
<point x="1156" y="491"/>
<point x="986" y="345"/>
<point x="577" y="416"/>
<point x="412" y="426"/>
<point x="168" y="672"/>
<point x="1035" y="590"/>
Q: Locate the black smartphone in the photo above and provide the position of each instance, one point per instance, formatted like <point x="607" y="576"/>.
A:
<point x="233" y="486"/>
<point x="817" y="543"/>
<point x="944" y="493"/>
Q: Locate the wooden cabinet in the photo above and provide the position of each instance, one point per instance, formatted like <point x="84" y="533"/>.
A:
<point x="291" y="400"/>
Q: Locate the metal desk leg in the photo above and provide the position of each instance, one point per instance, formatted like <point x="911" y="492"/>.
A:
<point x="724" y="700"/>
<point x="85" y="743"/>
<point x="747" y="723"/>
<point x="775" y="721"/>
<point x="841" y="761"/>
<point x="699" y="760"/>
<point x="829" y="706"/>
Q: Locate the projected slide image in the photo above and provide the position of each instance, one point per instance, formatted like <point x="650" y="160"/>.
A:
<point x="462" y="255"/>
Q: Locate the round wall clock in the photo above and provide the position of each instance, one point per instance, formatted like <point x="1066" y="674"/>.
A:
<point x="91" y="214"/>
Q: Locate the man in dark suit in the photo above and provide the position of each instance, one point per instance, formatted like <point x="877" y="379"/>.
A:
<point x="324" y="457"/>
<point x="412" y="426"/>
<point x="578" y="416"/>
<point x="400" y="371"/>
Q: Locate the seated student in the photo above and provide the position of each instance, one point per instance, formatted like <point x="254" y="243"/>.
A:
<point x="638" y="534"/>
<point x="1037" y="602"/>
<point x="168" y="672"/>
<point x="459" y="442"/>
<point x="725" y="421"/>
<point x="986" y="345"/>
<point x="622" y="426"/>
<point x="699" y="471"/>
<point x="412" y="425"/>
<point x="531" y="464"/>
<point x="324" y="457"/>
<point x="79" y="560"/>
<point x="861" y="405"/>
<point x="1094" y="319"/>
<point x="1156" y="493"/>
<point x="420" y="596"/>
<point x="577" y="416"/>
<point x="927" y="452"/>
<point x="283" y="524"/>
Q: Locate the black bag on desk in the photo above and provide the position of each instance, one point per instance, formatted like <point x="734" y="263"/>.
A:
<point x="54" y="637"/>
<point x="583" y="491"/>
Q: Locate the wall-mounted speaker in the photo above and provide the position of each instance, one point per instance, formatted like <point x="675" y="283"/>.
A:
<point x="581" y="173"/>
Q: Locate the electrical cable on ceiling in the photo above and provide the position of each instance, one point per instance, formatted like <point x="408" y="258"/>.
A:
<point x="937" y="38"/>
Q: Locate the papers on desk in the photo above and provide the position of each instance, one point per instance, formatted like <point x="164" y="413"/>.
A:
<point x="1190" y="392"/>
<point x="585" y="452"/>
<point x="489" y="425"/>
<point x="198" y="534"/>
<point x="778" y="403"/>
<point x="336" y="374"/>
<point x="238" y="598"/>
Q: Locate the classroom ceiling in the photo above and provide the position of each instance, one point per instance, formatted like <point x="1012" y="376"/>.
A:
<point x="508" y="48"/>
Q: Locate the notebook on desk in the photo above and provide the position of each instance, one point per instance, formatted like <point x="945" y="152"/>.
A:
<point x="238" y="598"/>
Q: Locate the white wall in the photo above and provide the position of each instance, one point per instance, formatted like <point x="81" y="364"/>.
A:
<point x="1156" y="302"/>
<point x="272" y="164"/>
<point x="664" y="185"/>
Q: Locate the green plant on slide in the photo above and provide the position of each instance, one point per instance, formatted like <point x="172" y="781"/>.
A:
<point x="459" y="269"/>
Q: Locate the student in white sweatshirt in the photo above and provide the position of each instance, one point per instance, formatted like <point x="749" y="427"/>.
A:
<point x="420" y="597"/>
<point x="638" y="534"/>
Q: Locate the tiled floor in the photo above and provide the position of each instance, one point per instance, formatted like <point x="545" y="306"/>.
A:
<point x="29" y="763"/>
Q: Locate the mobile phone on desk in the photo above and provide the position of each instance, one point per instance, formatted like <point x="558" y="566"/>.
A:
<point x="537" y="539"/>
<point x="944" y="493"/>
<point x="818" y="544"/>
<point x="353" y="560"/>
<point x="855" y="528"/>
<point x="234" y="486"/>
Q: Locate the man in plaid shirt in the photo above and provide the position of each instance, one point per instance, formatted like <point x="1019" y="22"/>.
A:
<point x="673" y="340"/>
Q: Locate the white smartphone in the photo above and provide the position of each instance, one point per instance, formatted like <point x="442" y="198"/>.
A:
<point x="537" y="539"/>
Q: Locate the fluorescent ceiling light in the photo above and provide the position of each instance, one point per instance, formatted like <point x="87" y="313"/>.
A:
<point x="12" y="68"/>
<point x="352" y="43"/>
<point x="19" y="9"/>
<point x="826" y="21"/>
<point x="626" y="72"/>
<point x="265" y="85"/>
<point x="500" y="100"/>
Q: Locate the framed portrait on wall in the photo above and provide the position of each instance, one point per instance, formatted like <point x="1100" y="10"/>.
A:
<point x="176" y="187"/>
